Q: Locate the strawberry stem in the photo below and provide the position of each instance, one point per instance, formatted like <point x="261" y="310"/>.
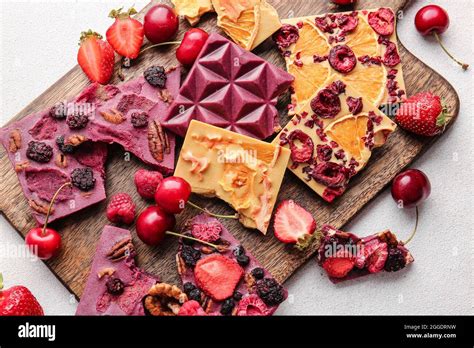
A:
<point x="235" y="216"/>
<point x="414" y="230"/>
<point x="51" y="205"/>
<point x="463" y="65"/>
<point x="192" y="238"/>
<point x="160" y="44"/>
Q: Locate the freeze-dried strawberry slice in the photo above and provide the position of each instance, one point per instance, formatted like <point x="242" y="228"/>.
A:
<point x="218" y="276"/>
<point x="377" y="257"/>
<point x="302" y="151"/>
<point x="382" y="21"/>
<point x="252" y="305"/>
<point x="339" y="265"/>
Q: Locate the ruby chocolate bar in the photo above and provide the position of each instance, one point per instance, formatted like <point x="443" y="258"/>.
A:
<point x="116" y="286"/>
<point x="227" y="281"/>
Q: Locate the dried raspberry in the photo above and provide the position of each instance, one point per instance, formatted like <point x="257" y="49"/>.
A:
<point x="396" y="260"/>
<point x="326" y="104"/>
<point x="286" y="36"/>
<point x="139" y="119"/>
<point x="252" y="305"/>
<point x="156" y="76"/>
<point x="270" y="291"/>
<point x="77" y="120"/>
<point x="191" y="308"/>
<point x="382" y="21"/>
<point x="121" y="209"/>
<point x="208" y="232"/>
<point x="64" y="148"/>
<point x="83" y="179"/>
<point x="347" y="23"/>
<point x="330" y="174"/>
<point x="342" y="59"/>
<point x="58" y="111"/>
<point x="302" y="152"/>
<point x="324" y="152"/>
<point x="39" y="151"/>
<point x="391" y="57"/>
<point x="146" y="182"/>
<point x="355" y="105"/>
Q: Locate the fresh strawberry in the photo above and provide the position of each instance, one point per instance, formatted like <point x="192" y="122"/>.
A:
<point x="218" y="276"/>
<point x="293" y="224"/>
<point x="126" y="34"/>
<point x="191" y="308"/>
<point x="18" y="300"/>
<point x="96" y="57"/>
<point x="339" y="265"/>
<point x="423" y="114"/>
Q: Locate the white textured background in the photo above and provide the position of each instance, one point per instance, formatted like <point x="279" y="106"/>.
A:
<point x="38" y="44"/>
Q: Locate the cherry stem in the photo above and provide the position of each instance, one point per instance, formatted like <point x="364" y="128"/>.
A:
<point x="414" y="230"/>
<point x="192" y="238"/>
<point x="463" y="65"/>
<point x="51" y="205"/>
<point x="161" y="44"/>
<point x="235" y="216"/>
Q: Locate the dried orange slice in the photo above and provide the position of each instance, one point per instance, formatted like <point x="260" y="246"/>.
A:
<point x="363" y="40"/>
<point x="192" y="9"/>
<point x="348" y="132"/>
<point x="369" y="81"/>
<point x="309" y="78"/>
<point x="311" y="42"/>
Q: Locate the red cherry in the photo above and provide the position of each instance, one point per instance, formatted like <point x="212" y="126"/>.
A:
<point x="152" y="225"/>
<point x="191" y="46"/>
<point x="343" y="2"/>
<point x="45" y="244"/>
<point x="160" y="24"/>
<point x="410" y="188"/>
<point x="433" y="19"/>
<point x="172" y="194"/>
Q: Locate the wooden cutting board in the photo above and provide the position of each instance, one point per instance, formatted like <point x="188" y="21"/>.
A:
<point x="81" y="231"/>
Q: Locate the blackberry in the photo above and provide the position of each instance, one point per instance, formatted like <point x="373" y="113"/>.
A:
<point x="270" y="291"/>
<point x="190" y="255"/>
<point x="58" y="111"/>
<point x="239" y="250"/>
<point x="64" y="148"/>
<point x="258" y="273"/>
<point x="77" y="120"/>
<point x="243" y="260"/>
<point x="188" y="287"/>
<point x="227" y="306"/>
<point x="139" y="119"/>
<point x="195" y="295"/>
<point x="83" y="179"/>
<point x="115" y="286"/>
<point x="395" y="260"/>
<point x="237" y="295"/>
<point x="39" y="151"/>
<point x="155" y="76"/>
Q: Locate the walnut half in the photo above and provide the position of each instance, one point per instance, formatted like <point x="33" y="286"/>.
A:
<point x="164" y="300"/>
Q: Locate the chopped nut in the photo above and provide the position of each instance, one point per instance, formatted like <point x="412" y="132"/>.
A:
<point x="164" y="300"/>
<point x="40" y="207"/>
<point x="113" y="116"/>
<point x="249" y="281"/>
<point x="105" y="271"/>
<point x="180" y="264"/>
<point x="75" y="140"/>
<point x="157" y="141"/>
<point x="389" y="238"/>
<point x="14" y="143"/>
<point x="165" y="96"/>
<point x="207" y="306"/>
<point x="21" y="166"/>
<point x="207" y="250"/>
<point x="121" y="250"/>
<point x="61" y="160"/>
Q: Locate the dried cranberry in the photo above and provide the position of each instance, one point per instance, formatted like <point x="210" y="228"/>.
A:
<point x="355" y="105"/>
<point x="391" y="57"/>
<point x="286" y="36"/>
<point x="331" y="194"/>
<point x="382" y="21"/>
<point x="304" y="152"/>
<point x="115" y="286"/>
<point x="340" y="154"/>
<point x="323" y="24"/>
<point x="330" y="174"/>
<point x="342" y="59"/>
<point x="367" y="60"/>
<point x="338" y="87"/>
<point x="156" y="76"/>
<point x="319" y="59"/>
<point x="139" y="119"/>
<point x="324" y="152"/>
<point x="326" y="104"/>
<point x="347" y="23"/>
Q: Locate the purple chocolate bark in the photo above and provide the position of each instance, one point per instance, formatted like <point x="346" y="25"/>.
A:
<point x="116" y="286"/>
<point x="257" y="293"/>
<point x="231" y="88"/>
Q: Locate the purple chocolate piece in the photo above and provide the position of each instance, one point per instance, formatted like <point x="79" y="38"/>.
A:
<point x="231" y="88"/>
<point x="114" y="259"/>
<point x="227" y="238"/>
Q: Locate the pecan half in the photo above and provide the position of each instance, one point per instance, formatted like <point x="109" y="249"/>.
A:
<point x="121" y="250"/>
<point x="113" y="116"/>
<point x="61" y="160"/>
<point x="21" y="166"/>
<point x="14" y="143"/>
<point x="40" y="207"/>
<point x="164" y="300"/>
<point x="157" y="141"/>
<point x="75" y="140"/>
<point x="180" y="265"/>
<point x="165" y="96"/>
